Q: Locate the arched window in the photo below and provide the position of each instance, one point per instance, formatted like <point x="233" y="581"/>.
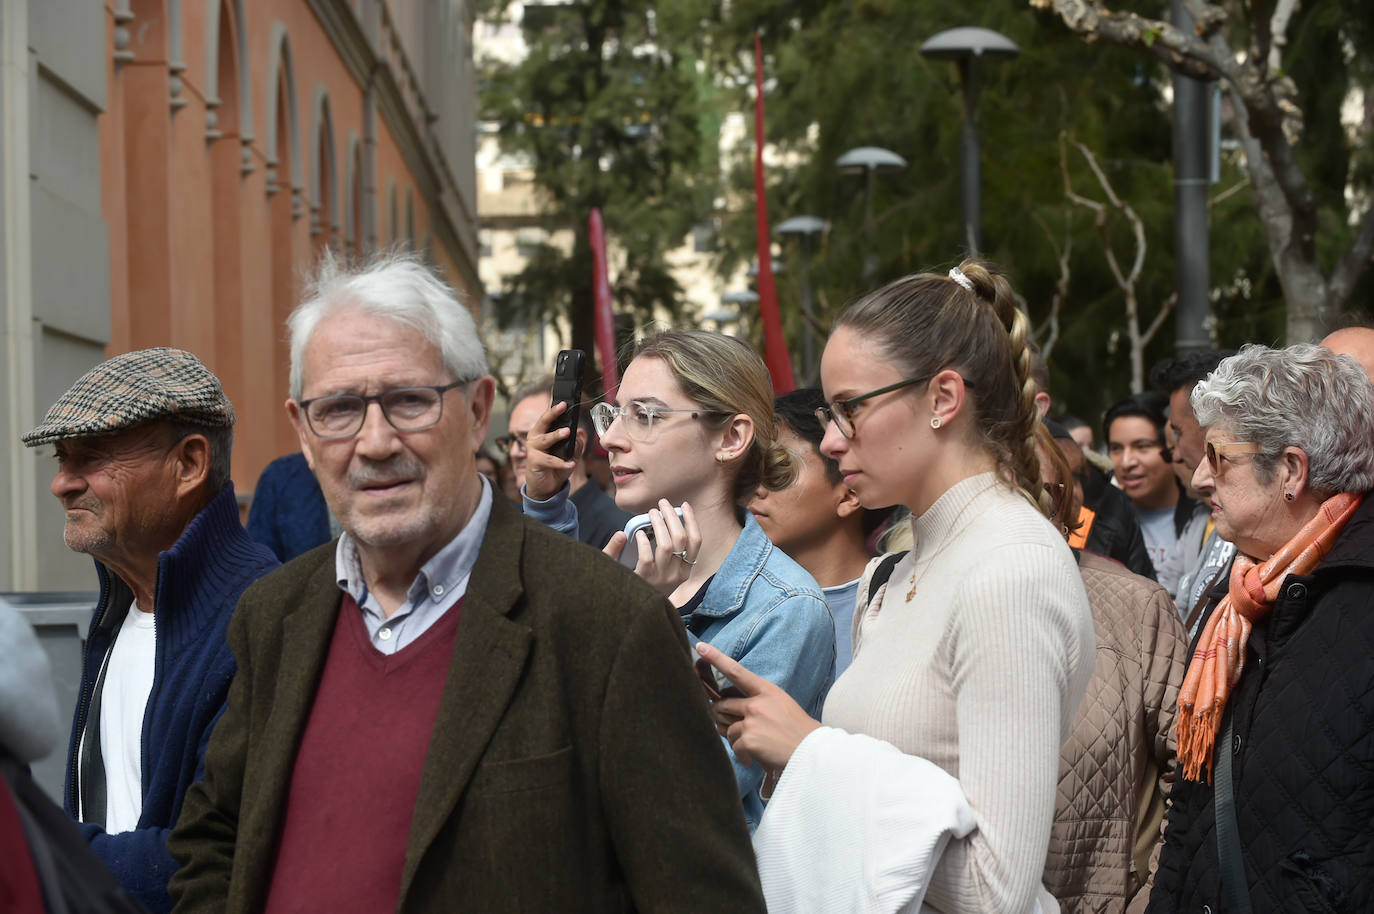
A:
<point x="324" y="198"/>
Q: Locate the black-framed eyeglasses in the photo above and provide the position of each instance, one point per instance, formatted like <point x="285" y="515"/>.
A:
<point x="507" y="442"/>
<point x="841" y="412"/>
<point x="1216" y="453"/>
<point x="407" y="409"/>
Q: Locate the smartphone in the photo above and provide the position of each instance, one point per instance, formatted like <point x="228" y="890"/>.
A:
<point x="714" y="681"/>
<point x="629" y="556"/>
<point x="567" y="388"/>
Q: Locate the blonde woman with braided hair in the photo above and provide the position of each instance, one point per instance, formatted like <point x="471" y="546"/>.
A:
<point x="930" y="778"/>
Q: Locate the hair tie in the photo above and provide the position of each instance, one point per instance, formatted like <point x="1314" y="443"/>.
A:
<point x="958" y="276"/>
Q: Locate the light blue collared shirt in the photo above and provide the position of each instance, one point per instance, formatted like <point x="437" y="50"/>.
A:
<point x="441" y="583"/>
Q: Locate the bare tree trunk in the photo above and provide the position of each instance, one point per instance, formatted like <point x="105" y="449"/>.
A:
<point x="1269" y="123"/>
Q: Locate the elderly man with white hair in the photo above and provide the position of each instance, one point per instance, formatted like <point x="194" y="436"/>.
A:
<point x="451" y="707"/>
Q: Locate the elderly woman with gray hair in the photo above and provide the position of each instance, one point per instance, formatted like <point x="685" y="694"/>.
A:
<point x="1274" y="810"/>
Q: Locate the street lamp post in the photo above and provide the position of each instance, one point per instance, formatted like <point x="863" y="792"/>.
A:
<point x="869" y="159"/>
<point x="804" y="227"/>
<point x="740" y="299"/>
<point x="1192" y="184"/>
<point x="968" y="46"/>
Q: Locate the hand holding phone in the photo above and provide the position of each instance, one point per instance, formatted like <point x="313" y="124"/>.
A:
<point x="662" y="546"/>
<point x="567" y="388"/>
<point x="714" y="681"/>
<point x="552" y="443"/>
<point x="629" y="556"/>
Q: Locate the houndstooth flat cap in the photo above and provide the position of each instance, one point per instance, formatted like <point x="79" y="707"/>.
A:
<point x="135" y="388"/>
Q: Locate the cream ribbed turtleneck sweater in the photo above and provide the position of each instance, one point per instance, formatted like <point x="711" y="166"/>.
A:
<point x="980" y="672"/>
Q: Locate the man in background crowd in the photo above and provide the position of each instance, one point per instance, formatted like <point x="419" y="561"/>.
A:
<point x="597" y="515"/>
<point x="1106" y="522"/>
<point x="1204" y="559"/>
<point x="1134" y="431"/>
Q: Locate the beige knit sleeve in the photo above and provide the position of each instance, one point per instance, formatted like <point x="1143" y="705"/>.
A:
<point x="1019" y="650"/>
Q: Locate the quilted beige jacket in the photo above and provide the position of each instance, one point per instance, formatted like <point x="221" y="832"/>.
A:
<point x="1116" y="766"/>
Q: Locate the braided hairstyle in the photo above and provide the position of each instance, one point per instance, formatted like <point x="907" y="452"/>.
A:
<point x="929" y="322"/>
<point x="725" y="376"/>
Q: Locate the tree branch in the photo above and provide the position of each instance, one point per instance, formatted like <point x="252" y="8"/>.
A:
<point x="1352" y="266"/>
<point x="1278" y="31"/>
<point x="1179" y="50"/>
<point x="1229" y="192"/>
<point x="1165" y="309"/>
<point x="1266" y="100"/>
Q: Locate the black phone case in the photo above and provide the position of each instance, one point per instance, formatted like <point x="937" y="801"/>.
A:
<point x="567" y="388"/>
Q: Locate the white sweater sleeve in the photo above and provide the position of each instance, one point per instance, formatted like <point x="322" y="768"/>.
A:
<point x="1019" y="653"/>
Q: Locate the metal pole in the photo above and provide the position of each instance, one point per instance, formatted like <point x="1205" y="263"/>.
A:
<point x="808" y="340"/>
<point x="1192" y="173"/>
<point x="970" y="190"/>
<point x="870" y="267"/>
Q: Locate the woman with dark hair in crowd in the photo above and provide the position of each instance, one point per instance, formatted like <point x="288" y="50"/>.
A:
<point x="817" y="520"/>
<point x="1274" y="736"/>
<point x="969" y="659"/>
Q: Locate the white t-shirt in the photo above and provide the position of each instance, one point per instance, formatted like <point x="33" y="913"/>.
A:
<point x="128" y="680"/>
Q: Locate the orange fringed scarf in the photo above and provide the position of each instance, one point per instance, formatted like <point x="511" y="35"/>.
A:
<point x="1220" y="656"/>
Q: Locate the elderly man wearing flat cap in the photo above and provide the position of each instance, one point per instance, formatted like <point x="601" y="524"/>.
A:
<point x="142" y="443"/>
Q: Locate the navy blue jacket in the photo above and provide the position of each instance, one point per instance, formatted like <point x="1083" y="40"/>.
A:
<point x="199" y="581"/>
<point x="288" y="514"/>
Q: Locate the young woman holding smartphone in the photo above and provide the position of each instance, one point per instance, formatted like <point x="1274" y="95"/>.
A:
<point x="975" y="651"/>
<point x="692" y="426"/>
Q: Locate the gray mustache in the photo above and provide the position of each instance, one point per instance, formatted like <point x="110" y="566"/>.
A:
<point x="398" y="467"/>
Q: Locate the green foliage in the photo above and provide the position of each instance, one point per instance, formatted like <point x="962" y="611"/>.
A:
<point x="614" y="109"/>
<point x="850" y="74"/>
<point x="620" y="103"/>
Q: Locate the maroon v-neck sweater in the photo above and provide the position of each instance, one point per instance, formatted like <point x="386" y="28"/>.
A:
<point x="357" y="773"/>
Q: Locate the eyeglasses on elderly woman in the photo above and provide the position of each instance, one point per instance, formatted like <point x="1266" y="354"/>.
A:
<point x="1216" y="453"/>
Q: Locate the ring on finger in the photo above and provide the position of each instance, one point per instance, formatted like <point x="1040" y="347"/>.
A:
<point x="683" y="555"/>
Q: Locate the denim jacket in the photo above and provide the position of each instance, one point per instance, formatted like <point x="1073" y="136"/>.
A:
<point x="768" y="613"/>
<point x="761" y="608"/>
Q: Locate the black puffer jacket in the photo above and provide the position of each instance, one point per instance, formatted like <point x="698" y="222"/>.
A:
<point x="1115" y="531"/>
<point x="1303" y="762"/>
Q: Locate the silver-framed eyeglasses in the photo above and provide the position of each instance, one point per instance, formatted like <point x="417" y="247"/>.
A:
<point x="639" y="418"/>
<point x="841" y="412"/>
<point x="407" y="409"/>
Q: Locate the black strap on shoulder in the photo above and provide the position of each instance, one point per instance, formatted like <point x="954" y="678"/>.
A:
<point x="1234" y="889"/>
<point x="882" y="573"/>
<point x="91" y="763"/>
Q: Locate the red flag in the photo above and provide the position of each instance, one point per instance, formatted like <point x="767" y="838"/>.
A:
<point x="774" y="343"/>
<point x="604" y="323"/>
